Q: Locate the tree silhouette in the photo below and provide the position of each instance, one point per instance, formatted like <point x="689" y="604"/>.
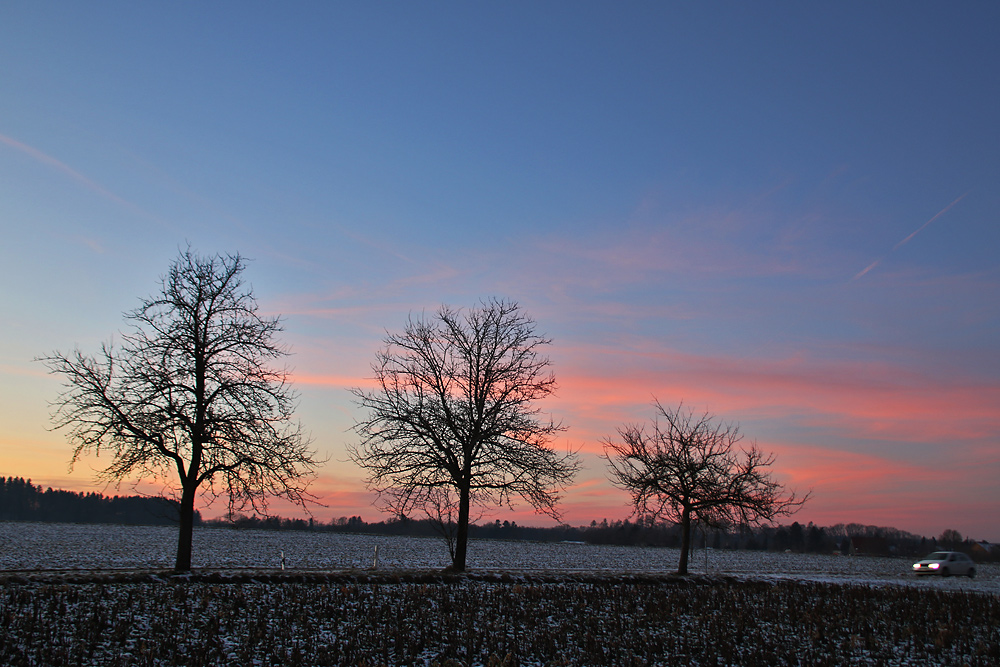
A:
<point x="452" y="422"/>
<point x="951" y="538"/>
<point x="188" y="398"/>
<point x="691" y="468"/>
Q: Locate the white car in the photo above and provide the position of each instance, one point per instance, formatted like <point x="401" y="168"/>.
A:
<point x="946" y="563"/>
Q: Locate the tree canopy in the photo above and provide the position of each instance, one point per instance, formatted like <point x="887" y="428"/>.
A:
<point x="690" y="467"/>
<point x="189" y="398"/>
<point x="452" y="422"/>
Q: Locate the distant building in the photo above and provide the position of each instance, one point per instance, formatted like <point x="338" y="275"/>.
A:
<point x="984" y="551"/>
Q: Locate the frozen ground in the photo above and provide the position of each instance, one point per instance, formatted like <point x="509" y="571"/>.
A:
<point x="42" y="546"/>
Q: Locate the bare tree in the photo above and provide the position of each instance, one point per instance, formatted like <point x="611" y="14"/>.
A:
<point x="950" y="538"/>
<point x="691" y="468"/>
<point x="453" y="413"/>
<point x="188" y="398"/>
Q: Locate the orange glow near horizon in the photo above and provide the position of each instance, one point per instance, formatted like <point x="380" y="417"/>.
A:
<point x="846" y="487"/>
<point x="855" y="425"/>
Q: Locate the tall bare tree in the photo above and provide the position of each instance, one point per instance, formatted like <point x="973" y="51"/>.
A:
<point x="188" y="398"/>
<point x="452" y="423"/>
<point x="691" y="467"/>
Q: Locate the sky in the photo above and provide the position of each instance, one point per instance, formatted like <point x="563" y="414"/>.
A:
<point x="782" y="213"/>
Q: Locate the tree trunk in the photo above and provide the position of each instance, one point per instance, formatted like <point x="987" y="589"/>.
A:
<point x="682" y="567"/>
<point x="186" y="534"/>
<point x="462" y="536"/>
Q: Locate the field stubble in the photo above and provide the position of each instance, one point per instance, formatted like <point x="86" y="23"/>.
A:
<point x="553" y="604"/>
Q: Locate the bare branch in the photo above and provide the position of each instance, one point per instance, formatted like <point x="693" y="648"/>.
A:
<point x="454" y="411"/>
<point x="693" y="467"/>
<point x="189" y="394"/>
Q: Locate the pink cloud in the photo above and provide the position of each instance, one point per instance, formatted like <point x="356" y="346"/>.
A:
<point x="863" y="399"/>
<point x="712" y="243"/>
<point x="332" y="381"/>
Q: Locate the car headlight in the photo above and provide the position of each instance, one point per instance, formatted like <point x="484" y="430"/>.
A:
<point x="934" y="566"/>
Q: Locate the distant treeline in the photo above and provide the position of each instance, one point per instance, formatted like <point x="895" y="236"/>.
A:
<point x="20" y="500"/>
<point x="841" y="538"/>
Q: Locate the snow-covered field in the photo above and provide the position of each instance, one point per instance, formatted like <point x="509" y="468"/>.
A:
<point x="39" y="546"/>
<point x="772" y="609"/>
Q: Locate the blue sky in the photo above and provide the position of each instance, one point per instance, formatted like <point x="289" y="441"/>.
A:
<point x="784" y="213"/>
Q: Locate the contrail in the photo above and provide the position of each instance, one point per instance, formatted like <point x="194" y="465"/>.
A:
<point x="50" y="161"/>
<point x="867" y="269"/>
<point x="908" y="238"/>
<point x="939" y="214"/>
<point x="60" y="166"/>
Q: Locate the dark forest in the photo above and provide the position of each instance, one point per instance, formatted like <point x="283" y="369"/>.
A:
<point x="20" y="500"/>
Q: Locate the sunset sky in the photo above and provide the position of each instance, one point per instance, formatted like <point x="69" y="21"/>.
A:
<point x="784" y="213"/>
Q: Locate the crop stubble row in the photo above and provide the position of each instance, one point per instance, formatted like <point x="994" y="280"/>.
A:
<point x="464" y="620"/>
